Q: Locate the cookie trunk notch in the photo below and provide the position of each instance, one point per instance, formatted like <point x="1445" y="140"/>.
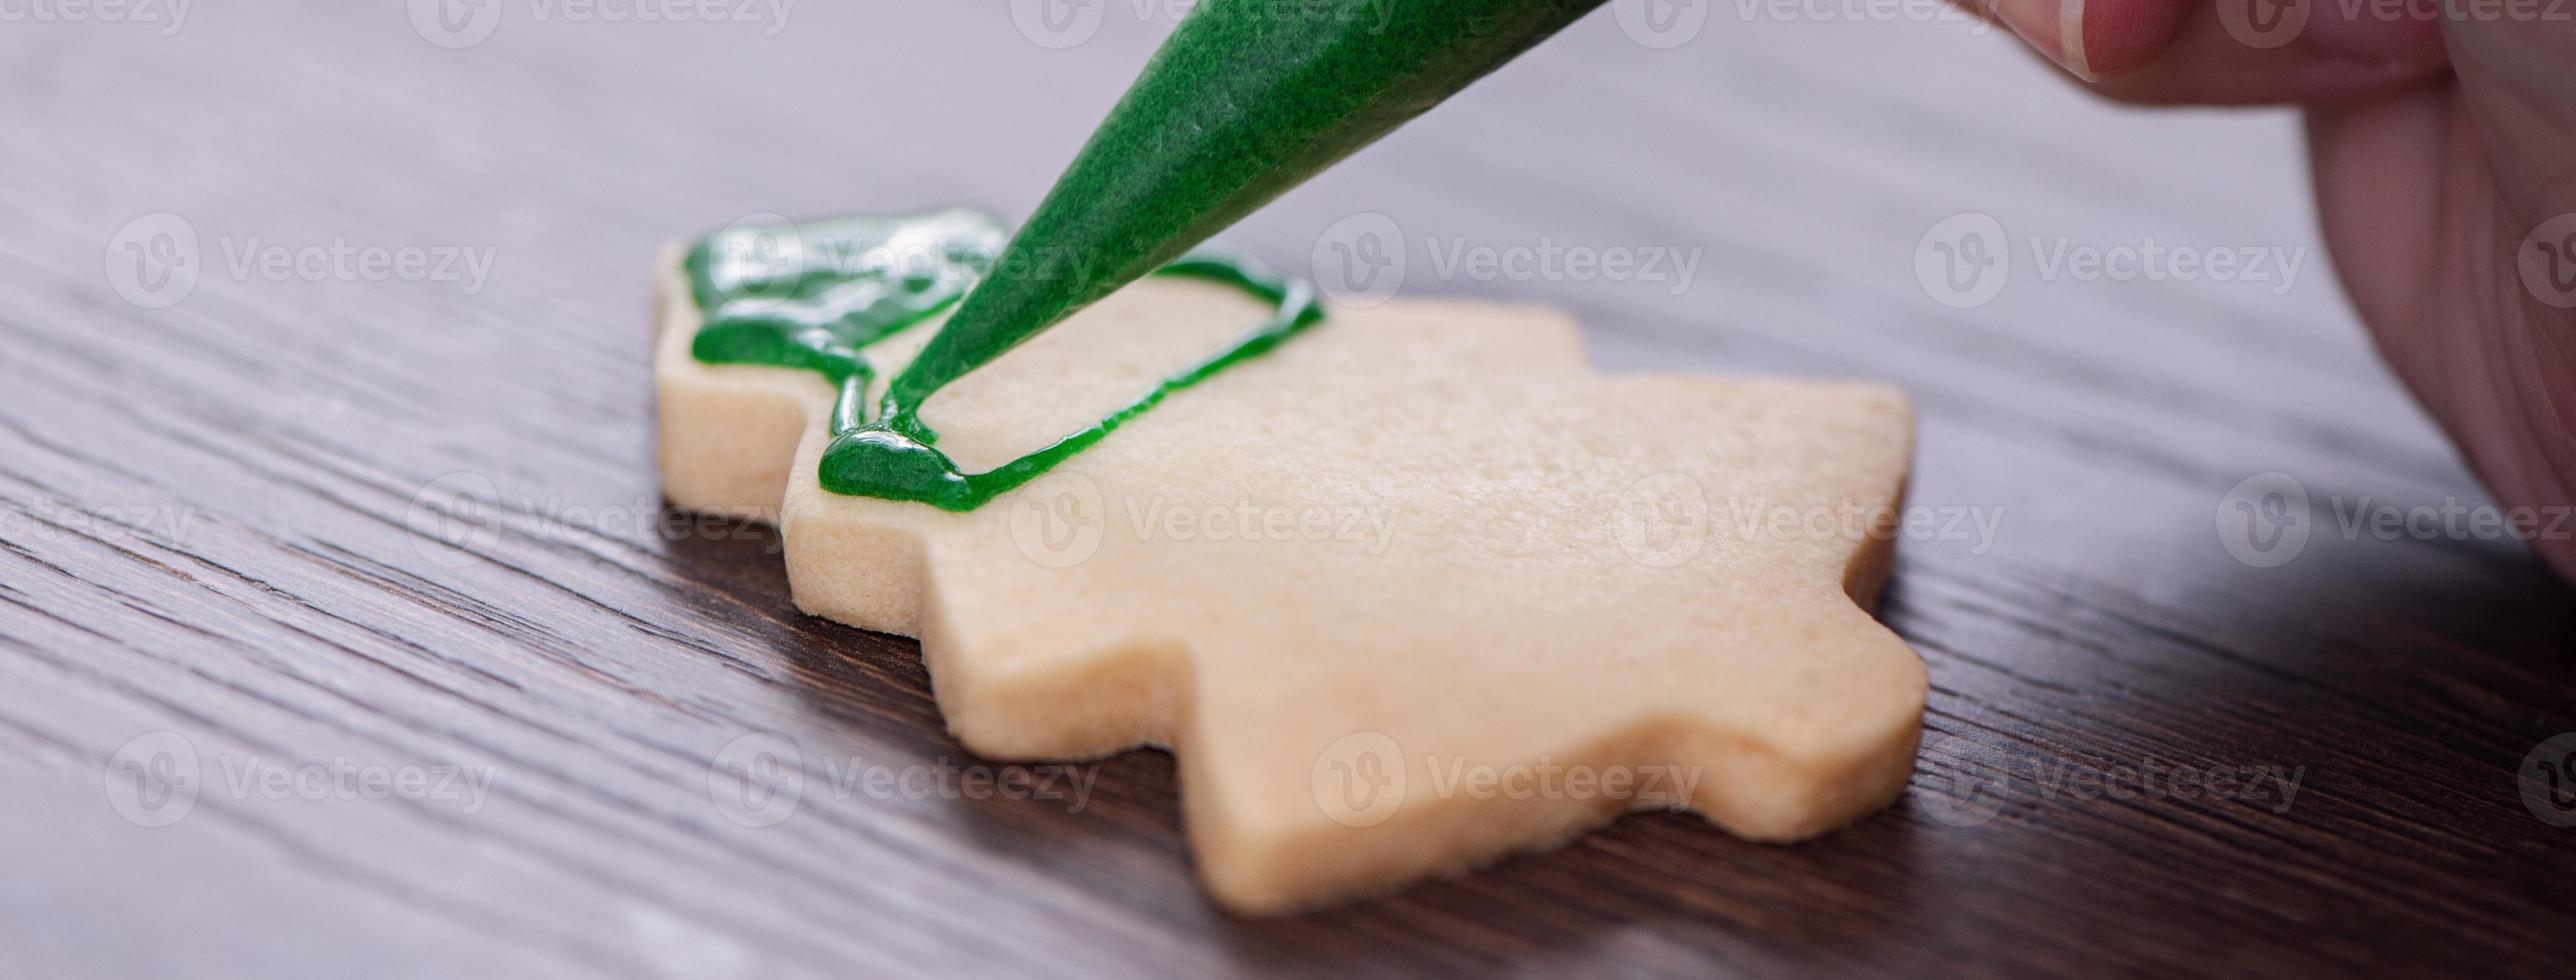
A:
<point x="1247" y="99"/>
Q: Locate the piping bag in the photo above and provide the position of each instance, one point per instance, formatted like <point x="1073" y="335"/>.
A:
<point x="1246" y="99"/>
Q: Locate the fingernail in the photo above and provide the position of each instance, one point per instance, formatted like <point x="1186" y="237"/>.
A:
<point x="2070" y="40"/>
<point x="2054" y="27"/>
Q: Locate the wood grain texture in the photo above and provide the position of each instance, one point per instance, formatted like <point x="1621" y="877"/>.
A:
<point x="230" y="520"/>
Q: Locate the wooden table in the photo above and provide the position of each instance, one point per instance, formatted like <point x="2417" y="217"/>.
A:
<point x="271" y="712"/>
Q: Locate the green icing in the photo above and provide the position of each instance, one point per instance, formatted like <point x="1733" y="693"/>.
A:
<point x="815" y="296"/>
<point x="1247" y="99"/>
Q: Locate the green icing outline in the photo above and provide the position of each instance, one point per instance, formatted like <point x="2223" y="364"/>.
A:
<point x="823" y="319"/>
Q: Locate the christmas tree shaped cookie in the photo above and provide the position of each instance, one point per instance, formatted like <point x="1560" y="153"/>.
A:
<point x="1412" y="589"/>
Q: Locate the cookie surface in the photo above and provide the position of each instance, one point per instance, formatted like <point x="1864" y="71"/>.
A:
<point x="1414" y="591"/>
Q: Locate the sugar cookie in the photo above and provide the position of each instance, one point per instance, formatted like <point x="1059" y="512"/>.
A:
<point x="1412" y="591"/>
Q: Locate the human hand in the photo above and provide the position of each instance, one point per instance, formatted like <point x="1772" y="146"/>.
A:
<point x="2442" y="140"/>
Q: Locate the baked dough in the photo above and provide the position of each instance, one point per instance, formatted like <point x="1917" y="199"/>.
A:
<point x="1416" y="590"/>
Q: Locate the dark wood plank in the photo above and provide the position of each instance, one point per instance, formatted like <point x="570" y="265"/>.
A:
<point x="232" y="521"/>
